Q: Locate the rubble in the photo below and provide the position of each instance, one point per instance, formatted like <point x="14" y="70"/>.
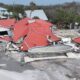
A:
<point x="20" y="39"/>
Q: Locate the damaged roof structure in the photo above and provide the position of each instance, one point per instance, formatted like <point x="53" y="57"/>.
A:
<point x="5" y="29"/>
<point x="77" y="40"/>
<point x="37" y="35"/>
<point x="34" y="32"/>
<point x="7" y="23"/>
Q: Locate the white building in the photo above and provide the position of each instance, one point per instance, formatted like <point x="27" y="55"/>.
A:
<point x="2" y="10"/>
<point x="36" y="13"/>
<point x="4" y="13"/>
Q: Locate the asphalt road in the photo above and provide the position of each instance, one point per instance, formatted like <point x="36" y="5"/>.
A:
<point x="60" y="69"/>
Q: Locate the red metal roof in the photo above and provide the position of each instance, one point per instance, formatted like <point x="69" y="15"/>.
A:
<point x="34" y="39"/>
<point x="77" y="40"/>
<point x="35" y="32"/>
<point x="5" y="38"/>
<point x="7" y="22"/>
<point x="20" y="29"/>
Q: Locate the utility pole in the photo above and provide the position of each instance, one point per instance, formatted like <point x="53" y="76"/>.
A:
<point x="13" y="4"/>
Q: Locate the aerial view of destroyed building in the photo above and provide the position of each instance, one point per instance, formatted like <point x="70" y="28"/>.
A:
<point x="39" y="40"/>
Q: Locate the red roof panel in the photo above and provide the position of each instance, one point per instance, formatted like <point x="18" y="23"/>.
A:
<point x="5" y="38"/>
<point x="20" y="29"/>
<point x="7" y="22"/>
<point x="77" y="40"/>
<point x="34" y="31"/>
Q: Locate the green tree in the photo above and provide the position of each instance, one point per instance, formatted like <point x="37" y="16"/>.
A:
<point x="65" y="17"/>
<point x="16" y="10"/>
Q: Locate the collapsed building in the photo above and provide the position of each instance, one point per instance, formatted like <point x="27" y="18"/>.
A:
<point x="31" y="35"/>
<point x="34" y="32"/>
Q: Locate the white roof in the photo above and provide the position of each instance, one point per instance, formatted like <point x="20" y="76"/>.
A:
<point x="2" y="8"/>
<point x="3" y="17"/>
<point x="3" y="29"/>
<point x="36" y="13"/>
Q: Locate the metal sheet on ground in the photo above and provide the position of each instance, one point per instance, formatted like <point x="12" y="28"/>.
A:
<point x="51" y="49"/>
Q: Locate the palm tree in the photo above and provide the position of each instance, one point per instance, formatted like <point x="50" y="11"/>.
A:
<point x="33" y="6"/>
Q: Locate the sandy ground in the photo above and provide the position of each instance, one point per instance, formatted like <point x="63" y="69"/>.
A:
<point x="60" y="69"/>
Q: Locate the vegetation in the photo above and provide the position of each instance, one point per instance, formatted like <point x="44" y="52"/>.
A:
<point x="64" y="17"/>
<point x="60" y="14"/>
<point x="18" y="9"/>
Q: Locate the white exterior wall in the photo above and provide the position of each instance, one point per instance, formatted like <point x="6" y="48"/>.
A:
<point x="36" y="13"/>
<point x="4" y="12"/>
